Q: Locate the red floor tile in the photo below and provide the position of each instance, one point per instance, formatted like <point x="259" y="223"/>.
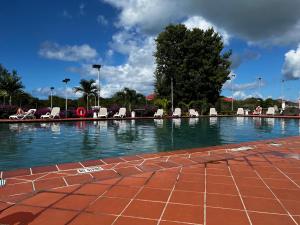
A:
<point x="224" y="201"/>
<point x="108" y="205"/>
<point x="255" y="192"/>
<point x="221" y="189"/>
<point x="49" y="183"/>
<point x="89" y="163"/>
<point x="66" y="189"/>
<point x="16" y="189"/>
<point x="128" y="171"/>
<point x="53" y="216"/>
<point x="219" y="179"/>
<point x="190" y="186"/>
<point x="68" y="166"/>
<point x="92" y="189"/>
<point x="184" y="197"/>
<point x="131" y="221"/>
<point x="153" y="194"/>
<point x="19" y="215"/>
<point x="217" y="216"/>
<point x="43" y="169"/>
<point x="15" y="173"/>
<point x="74" y="202"/>
<point x="112" y="160"/>
<point x="263" y="205"/>
<point x="183" y="213"/>
<point x="172" y="223"/>
<point x="105" y="174"/>
<point x="161" y="182"/>
<point x="78" y="179"/>
<point x="93" y="219"/>
<point x="144" y="209"/>
<point x="292" y="206"/>
<point x="43" y="199"/>
<point x="270" y="219"/>
<point x="133" y="181"/>
<point x="122" y="192"/>
<point x="287" y="194"/>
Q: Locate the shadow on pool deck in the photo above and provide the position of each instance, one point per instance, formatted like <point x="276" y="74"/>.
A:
<point x="217" y="185"/>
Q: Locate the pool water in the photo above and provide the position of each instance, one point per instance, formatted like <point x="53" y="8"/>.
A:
<point x="36" y="144"/>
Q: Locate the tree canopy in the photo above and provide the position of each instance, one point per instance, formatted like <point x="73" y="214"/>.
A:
<point x="196" y="61"/>
<point x="10" y="83"/>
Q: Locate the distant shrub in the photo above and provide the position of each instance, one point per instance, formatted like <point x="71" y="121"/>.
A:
<point x="291" y="112"/>
<point x="7" y="110"/>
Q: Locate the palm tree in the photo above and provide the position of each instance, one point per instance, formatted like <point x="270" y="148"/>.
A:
<point x="10" y="83"/>
<point x="87" y="87"/>
<point x="129" y="97"/>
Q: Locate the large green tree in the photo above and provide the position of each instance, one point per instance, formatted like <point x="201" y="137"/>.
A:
<point x="196" y="61"/>
<point x="10" y="83"/>
<point x="87" y="88"/>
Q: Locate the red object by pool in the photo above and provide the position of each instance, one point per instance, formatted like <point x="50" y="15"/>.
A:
<point x="81" y="112"/>
<point x="150" y="97"/>
<point x="227" y="99"/>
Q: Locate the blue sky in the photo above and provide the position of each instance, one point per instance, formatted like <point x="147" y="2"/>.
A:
<point x="46" y="41"/>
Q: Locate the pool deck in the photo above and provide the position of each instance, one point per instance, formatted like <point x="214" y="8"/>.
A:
<point x="255" y="183"/>
<point x="133" y="118"/>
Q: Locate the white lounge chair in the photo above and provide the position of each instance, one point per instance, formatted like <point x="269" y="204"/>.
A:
<point x="159" y="113"/>
<point x="271" y="111"/>
<point x="240" y="112"/>
<point x="102" y="112"/>
<point x="193" y="113"/>
<point x="121" y="113"/>
<point x="177" y="112"/>
<point x="213" y="112"/>
<point x="27" y="115"/>
<point x="54" y="113"/>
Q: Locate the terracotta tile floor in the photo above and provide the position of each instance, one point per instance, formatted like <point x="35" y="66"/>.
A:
<point x="210" y="186"/>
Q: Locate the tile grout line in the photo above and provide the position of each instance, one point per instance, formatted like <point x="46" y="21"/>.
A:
<point x="238" y="190"/>
<point x="278" y="200"/>
<point x="169" y="198"/>
<point x="131" y="200"/>
<point x="287" y="176"/>
<point x="92" y="202"/>
<point x="205" y="188"/>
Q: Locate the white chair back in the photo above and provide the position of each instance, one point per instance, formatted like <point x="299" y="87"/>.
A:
<point x="55" y="111"/>
<point x="177" y="111"/>
<point x="122" y="112"/>
<point x="240" y="111"/>
<point x="213" y="112"/>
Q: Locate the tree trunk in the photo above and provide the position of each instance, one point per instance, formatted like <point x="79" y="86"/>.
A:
<point x="10" y="100"/>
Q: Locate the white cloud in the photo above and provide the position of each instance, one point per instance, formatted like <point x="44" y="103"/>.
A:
<point x="52" y="50"/>
<point x="44" y="92"/>
<point x="200" y="22"/>
<point x="136" y="73"/>
<point x="102" y="20"/>
<point x="256" y="21"/>
<point x="230" y="85"/>
<point x="291" y="66"/>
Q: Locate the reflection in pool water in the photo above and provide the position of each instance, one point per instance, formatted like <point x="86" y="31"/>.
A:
<point x="26" y="145"/>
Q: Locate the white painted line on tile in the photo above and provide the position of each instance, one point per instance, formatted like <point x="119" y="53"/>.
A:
<point x="276" y="197"/>
<point x="238" y="190"/>
<point x="205" y="186"/>
<point x="169" y="198"/>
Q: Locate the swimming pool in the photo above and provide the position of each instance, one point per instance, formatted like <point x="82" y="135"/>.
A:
<point x="36" y="144"/>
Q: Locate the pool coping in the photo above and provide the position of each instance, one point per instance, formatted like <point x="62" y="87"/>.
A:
<point x="138" y="118"/>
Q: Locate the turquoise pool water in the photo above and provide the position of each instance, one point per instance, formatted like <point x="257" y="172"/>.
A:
<point x="36" y="144"/>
